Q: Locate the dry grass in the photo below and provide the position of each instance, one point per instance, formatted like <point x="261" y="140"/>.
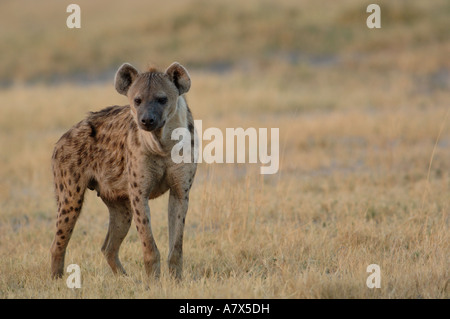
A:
<point x="364" y="146"/>
<point x="352" y="190"/>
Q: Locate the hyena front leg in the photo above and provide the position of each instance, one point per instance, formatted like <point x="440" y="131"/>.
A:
<point x="141" y="217"/>
<point x="178" y="206"/>
<point x="119" y="224"/>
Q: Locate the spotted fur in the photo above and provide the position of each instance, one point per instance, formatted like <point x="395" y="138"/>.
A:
<point x="127" y="163"/>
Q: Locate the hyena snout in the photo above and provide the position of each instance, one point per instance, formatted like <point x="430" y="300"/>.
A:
<point x="151" y="120"/>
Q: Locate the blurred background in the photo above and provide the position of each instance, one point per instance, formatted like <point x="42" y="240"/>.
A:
<point x="364" y="142"/>
<point x="223" y="36"/>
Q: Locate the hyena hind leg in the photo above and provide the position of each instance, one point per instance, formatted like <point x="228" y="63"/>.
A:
<point x="70" y="201"/>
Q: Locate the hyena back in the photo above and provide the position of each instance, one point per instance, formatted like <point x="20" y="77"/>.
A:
<point x="123" y="153"/>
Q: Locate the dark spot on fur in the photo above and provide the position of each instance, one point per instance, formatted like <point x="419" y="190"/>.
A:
<point x="93" y="133"/>
<point x="72" y="169"/>
<point x="66" y="220"/>
<point x="59" y="232"/>
<point x="61" y="187"/>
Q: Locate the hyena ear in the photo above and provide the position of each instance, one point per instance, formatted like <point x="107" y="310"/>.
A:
<point x="125" y="77"/>
<point x="179" y="76"/>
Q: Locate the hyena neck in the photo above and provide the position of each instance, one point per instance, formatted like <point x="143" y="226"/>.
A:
<point x="152" y="143"/>
<point x="160" y="141"/>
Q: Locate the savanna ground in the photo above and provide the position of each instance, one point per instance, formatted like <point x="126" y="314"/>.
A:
<point x="364" y="145"/>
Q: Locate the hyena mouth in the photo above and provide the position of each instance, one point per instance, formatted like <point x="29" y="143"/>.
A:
<point x="151" y="128"/>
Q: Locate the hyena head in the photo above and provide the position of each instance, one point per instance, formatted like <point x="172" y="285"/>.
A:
<point x="152" y="95"/>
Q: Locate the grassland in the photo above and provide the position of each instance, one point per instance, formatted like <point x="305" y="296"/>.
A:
<point x="364" y="146"/>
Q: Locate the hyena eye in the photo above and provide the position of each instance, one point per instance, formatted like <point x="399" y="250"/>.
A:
<point x="137" y="101"/>
<point x="162" y="100"/>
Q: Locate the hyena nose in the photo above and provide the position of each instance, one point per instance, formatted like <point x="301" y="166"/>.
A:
<point x="149" y="122"/>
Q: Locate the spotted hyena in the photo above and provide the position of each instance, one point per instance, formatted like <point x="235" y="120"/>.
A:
<point x="123" y="153"/>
